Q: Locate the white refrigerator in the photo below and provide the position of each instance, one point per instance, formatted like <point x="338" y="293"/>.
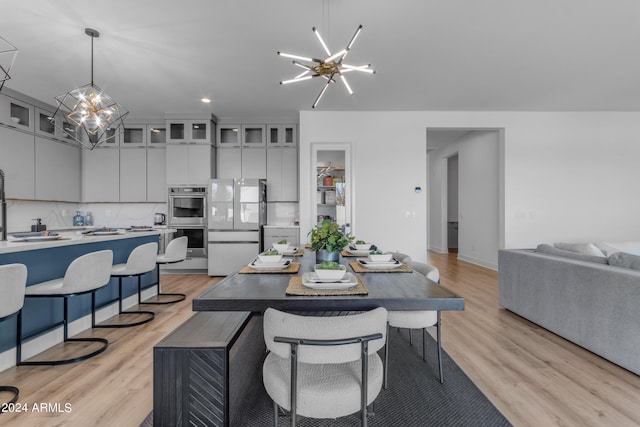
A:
<point x="237" y="214"/>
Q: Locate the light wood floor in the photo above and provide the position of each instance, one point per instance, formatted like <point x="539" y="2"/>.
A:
<point x="533" y="377"/>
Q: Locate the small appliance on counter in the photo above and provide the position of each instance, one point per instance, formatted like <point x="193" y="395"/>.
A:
<point x="38" y="226"/>
<point x="159" y="219"/>
<point x="78" y="219"/>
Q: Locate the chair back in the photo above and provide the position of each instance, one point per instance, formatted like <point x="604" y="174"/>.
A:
<point x="280" y="324"/>
<point x="142" y="259"/>
<point x="427" y="270"/>
<point x="403" y="258"/>
<point x="176" y="249"/>
<point x="13" y="281"/>
<point x="88" y="272"/>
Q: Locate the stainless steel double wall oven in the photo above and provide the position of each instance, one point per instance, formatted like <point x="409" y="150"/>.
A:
<point x="187" y="213"/>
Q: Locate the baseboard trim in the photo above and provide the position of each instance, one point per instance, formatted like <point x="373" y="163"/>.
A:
<point x="477" y="261"/>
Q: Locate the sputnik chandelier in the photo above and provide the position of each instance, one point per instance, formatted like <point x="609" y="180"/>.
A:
<point x="8" y="53"/>
<point x="329" y="68"/>
<point x="91" y="115"/>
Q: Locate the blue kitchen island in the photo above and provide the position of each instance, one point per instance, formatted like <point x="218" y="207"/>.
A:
<point x="46" y="260"/>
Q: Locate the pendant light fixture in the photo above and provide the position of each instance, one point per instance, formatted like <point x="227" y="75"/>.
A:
<point x="90" y="114"/>
<point x="8" y="53"/>
<point x="330" y="68"/>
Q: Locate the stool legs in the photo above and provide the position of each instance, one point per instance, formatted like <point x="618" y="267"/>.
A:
<point x="177" y="297"/>
<point x="150" y="314"/>
<point x="65" y="324"/>
<point x="9" y="388"/>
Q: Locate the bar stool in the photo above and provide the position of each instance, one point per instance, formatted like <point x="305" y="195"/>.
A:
<point x="13" y="280"/>
<point x="176" y="252"/>
<point x="86" y="274"/>
<point x="142" y="260"/>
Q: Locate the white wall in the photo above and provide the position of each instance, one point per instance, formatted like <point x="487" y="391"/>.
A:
<point x="567" y="175"/>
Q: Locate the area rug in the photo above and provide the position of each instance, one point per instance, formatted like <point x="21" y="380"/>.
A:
<point x="414" y="396"/>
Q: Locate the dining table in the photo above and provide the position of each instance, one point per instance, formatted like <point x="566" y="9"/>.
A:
<point x="216" y="356"/>
<point x="391" y="289"/>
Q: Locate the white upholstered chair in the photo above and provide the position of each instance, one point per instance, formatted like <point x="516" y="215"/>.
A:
<point x="86" y="274"/>
<point x="176" y="251"/>
<point x="323" y="367"/>
<point x="13" y="280"/>
<point x="419" y="319"/>
<point x="141" y="260"/>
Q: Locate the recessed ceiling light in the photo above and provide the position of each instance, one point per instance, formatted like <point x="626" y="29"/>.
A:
<point x="206" y="100"/>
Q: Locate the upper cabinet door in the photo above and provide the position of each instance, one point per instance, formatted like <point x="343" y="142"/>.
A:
<point x="45" y="125"/>
<point x="253" y="135"/>
<point x="156" y="135"/>
<point x="228" y="135"/>
<point x="17" y="154"/>
<point x="177" y="130"/>
<point x="134" y="136"/>
<point x="282" y="136"/>
<point x="16" y="113"/>
<point x="196" y="131"/>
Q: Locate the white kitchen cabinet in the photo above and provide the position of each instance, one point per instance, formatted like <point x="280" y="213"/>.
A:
<point x="156" y="135"/>
<point x="57" y="170"/>
<point x="254" y="135"/>
<point x="228" y="135"/>
<point x="156" y="174"/>
<point x="190" y="163"/>
<point x="17" y="154"/>
<point x="43" y="125"/>
<point x="101" y="175"/>
<point x="16" y="113"/>
<point x="134" y="136"/>
<point x="192" y="130"/>
<point x="282" y="135"/>
<point x="133" y="174"/>
<point x="282" y="174"/>
<point x="275" y="234"/>
<point x="229" y="163"/>
<point x="254" y="163"/>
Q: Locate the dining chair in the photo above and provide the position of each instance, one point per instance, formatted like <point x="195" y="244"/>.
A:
<point x="323" y="367"/>
<point x="86" y="274"/>
<point x="141" y="260"/>
<point x="13" y="280"/>
<point x="175" y="252"/>
<point x="417" y="319"/>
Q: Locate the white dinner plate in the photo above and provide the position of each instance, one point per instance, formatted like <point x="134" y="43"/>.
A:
<point x="290" y="250"/>
<point x="257" y="265"/>
<point x="142" y="229"/>
<point x="380" y="265"/>
<point x="37" y="238"/>
<point x="104" y="233"/>
<point x="310" y="280"/>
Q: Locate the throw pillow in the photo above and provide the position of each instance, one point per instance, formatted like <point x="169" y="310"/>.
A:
<point x="550" y="250"/>
<point x="583" y="248"/>
<point x="626" y="260"/>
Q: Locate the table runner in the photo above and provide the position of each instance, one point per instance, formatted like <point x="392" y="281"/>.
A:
<point x="296" y="287"/>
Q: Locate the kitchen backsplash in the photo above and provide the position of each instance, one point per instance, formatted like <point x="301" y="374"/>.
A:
<point x="59" y="215"/>
<point x="282" y="213"/>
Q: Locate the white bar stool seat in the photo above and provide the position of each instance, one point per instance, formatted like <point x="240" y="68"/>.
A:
<point x="85" y="274"/>
<point x="141" y="260"/>
<point x="13" y="280"/>
<point x="176" y="252"/>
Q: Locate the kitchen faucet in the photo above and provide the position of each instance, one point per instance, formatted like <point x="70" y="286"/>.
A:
<point x="3" y="209"/>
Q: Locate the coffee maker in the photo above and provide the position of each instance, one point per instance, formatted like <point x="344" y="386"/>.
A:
<point x="159" y="219"/>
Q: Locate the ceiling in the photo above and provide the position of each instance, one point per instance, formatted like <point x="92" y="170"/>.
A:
<point x="157" y="56"/>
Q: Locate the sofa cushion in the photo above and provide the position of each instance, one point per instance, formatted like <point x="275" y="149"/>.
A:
<point x="583" y="248"/>
<point x="550" y="250"/>
<point x="626" y="260"/>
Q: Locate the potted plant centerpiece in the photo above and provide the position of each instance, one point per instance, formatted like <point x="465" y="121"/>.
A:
<point x="327" y="240"/>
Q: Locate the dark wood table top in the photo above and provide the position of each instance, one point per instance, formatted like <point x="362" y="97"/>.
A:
<point x="394" y="291"/>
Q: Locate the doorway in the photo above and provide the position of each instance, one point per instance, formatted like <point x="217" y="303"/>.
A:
<point x="332" y="184"/>
<point x="466" y="193"/>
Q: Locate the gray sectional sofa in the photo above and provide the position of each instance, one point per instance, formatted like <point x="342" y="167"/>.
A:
<point x="585" y="300"/>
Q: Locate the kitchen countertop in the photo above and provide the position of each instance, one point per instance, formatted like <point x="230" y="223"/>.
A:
<point x="75" y="238"/>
